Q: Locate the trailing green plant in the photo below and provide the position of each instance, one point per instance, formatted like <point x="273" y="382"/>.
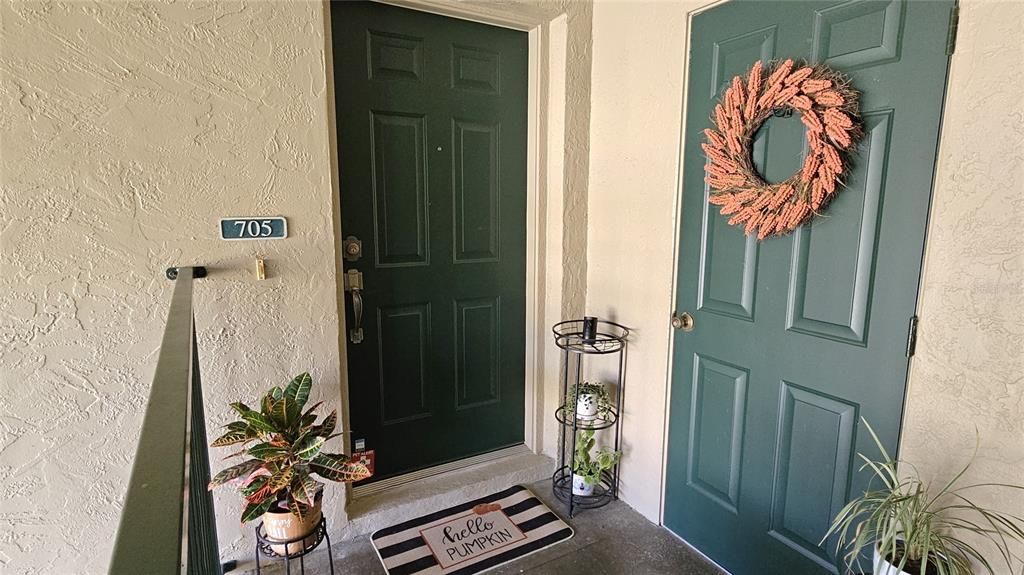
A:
<point x="596" y="389"/>
<point x="588" y="466"/>
<point x="284" y="446"/>
<point x="919" y="530"/>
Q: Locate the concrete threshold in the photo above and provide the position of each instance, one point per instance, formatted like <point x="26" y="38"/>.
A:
<point x="372" y="512"/>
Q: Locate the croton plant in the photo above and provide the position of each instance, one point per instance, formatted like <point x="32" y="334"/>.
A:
<point x="284" y="447"/>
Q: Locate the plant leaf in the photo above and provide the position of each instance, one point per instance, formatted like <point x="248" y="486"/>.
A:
<point x="298" y="389"/>
<point x="258" y="422"/>
<point x="338" y="468"/>
<point x="326" y="428"/>
<point x="254" y="510"/>
<point x="234" y="472"/>
<point x="233" y="437"/>
<point x="309" y="412"/>
<point x="283" y="413"/>
<point x="297" y="508"/>
<point x="240" y="407"/>
<point x="308" y="447"/>
<point x="267" y="452"/>
<point x="280" y="480"/>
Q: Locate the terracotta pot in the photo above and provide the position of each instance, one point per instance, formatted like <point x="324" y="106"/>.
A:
<point x="283" y="525"/>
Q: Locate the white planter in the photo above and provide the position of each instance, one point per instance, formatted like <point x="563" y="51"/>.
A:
<point x="883" y="567"/>
<point x="580" y="487"/>
<point x="586" y="406"/>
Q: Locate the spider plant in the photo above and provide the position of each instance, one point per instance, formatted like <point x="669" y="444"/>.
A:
<point x="919" y="530"/>
<point x="287" y="448"/>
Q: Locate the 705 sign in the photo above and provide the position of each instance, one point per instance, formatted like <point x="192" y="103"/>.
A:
<point x="253" y="228"/>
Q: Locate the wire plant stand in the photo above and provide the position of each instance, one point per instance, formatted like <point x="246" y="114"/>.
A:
<point x="265" y="547"/>
<point x="576" y="339"/>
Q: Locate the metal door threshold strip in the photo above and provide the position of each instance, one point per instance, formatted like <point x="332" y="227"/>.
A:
<point x="392" y="482"/>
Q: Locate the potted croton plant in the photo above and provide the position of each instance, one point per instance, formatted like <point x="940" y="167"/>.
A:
<point x="283" y="446"/>
<point x="587" y="467"/>
<point x="914" y="530"/>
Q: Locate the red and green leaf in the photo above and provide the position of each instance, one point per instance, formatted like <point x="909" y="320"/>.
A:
<point x="234" y="472"/>
<point x="235" y="436"/>
<point x="297" y="509"/>
<point x="326" y="427"/>
<point x="254" y="510"/>
<point x="338" y="468"/>
<point x="268" y="452"/>
<point x="280" y="480"/>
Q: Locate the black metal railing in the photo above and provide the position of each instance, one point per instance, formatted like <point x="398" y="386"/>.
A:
<point x="167" y="524"/>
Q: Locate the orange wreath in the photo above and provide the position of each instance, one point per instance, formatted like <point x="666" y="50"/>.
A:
<point x="828" y="107"/>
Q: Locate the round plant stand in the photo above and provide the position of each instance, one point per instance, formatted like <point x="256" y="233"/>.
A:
<point x="264" y="547"/>
<point x="577" y="339"/>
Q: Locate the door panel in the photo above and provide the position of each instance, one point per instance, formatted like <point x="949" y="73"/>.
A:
<point x="431" y="116"/>
<point x="798" y="337"/>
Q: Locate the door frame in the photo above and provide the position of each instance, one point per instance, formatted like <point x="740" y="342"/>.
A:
<point x="545" y="189"/>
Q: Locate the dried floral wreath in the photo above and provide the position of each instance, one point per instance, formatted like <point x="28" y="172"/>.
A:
<point x="828" y="107"/>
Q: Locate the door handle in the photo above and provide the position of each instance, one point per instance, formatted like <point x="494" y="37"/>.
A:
<point x="683" y="321"/>
<point x="354" y="285"/>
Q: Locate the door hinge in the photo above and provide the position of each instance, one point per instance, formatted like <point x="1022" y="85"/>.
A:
<point x="954" y="24"/>
<point x="912" y="336"/>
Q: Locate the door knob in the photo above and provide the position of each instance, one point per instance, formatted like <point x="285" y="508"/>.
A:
<point x="683" y="321"/>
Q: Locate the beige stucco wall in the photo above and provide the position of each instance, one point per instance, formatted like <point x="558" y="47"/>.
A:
<point x="968" y="373"/>
<point x="636" y="111"/>
<point x="970" y="358"/>
<point x="126" y="130"/>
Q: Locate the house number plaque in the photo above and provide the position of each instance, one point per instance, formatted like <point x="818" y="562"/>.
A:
<point x="275" y="228"/>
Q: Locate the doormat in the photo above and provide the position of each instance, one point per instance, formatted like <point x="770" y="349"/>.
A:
<point x="472" y="537"/>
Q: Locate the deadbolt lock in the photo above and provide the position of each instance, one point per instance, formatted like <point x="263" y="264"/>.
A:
<point x="353" y="248"/>
<point x="683" y="321"/>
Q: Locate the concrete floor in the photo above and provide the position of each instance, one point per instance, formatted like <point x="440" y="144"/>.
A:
<point x="611" y="540"/>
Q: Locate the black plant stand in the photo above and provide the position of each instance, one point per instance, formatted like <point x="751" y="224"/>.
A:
<point x="608" y="340"/>
<point x="263" y="547"/>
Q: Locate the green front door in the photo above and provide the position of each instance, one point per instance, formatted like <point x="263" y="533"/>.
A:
<point x="798" y="337"/>
<point x="431" y="123"/>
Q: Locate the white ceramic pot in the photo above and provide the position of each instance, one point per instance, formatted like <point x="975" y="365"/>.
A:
<point x="283" y="525"/>
<point x="883" y="567"/>
<point x="586" y="406"/>
<point x="580" y="487"/>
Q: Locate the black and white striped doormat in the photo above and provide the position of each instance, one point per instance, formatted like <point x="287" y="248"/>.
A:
<point x="472" y="537"/>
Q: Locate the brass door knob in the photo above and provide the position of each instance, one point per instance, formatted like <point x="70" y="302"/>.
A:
<point x="683" y="321"/>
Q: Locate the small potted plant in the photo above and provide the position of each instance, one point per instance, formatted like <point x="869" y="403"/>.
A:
<point x="913" y="530"/>
<point x="587" y="468"/>
<point x="587" y="401"/>
<point x="284" y="446"/>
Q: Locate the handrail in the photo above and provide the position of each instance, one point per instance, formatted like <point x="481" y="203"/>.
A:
<point x="167" y="524"/>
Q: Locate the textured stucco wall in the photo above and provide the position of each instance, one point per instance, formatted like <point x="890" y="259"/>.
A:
<point x="636" y="113"/>
<point x="126" y="130"/>
<point x="968" y="373"/>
